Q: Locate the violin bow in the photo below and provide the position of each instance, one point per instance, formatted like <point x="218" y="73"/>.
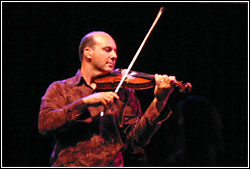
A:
<point x="139" y="50"/>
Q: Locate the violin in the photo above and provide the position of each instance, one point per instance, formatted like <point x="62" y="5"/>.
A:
<point x="134" y="80"/>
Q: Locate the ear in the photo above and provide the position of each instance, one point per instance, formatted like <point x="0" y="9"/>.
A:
<point x="87" y="52"/>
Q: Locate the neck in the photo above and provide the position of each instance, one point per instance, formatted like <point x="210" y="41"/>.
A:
<point x="89" y="74"/>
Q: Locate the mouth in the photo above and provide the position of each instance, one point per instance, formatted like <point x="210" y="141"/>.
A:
<point x="110" y="64"/>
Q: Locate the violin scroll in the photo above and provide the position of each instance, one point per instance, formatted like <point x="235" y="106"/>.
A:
<point x="183" y="88"/>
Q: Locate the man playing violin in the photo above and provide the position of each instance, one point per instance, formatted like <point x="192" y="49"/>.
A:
<point x="95" y="127"/>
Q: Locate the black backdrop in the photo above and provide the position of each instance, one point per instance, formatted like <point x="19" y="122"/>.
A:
<point x="202" y="43"/>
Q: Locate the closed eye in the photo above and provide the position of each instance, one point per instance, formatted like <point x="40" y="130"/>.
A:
<point x="109" y="49"/>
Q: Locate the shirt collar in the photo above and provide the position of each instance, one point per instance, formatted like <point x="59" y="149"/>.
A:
<point x="78" y="80"/>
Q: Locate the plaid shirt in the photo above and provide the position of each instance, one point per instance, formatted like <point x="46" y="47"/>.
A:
<point x="83" y="138"/>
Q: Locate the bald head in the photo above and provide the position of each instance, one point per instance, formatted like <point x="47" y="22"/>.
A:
<point x="90" y="39"/>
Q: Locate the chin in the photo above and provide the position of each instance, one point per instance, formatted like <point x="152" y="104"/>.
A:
<point x="108" y="70"/>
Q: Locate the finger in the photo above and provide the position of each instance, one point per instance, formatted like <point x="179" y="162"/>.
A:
<point x="104" y="103"/>
<point x="165" y="78"/>
<point x="108" y="102"/>
<point x="110" y="98"/>
<point x="158" y="79"/>
<point x="107" y="99"/>
<point x="172" y="79"/>
<point x="114" y="95"/>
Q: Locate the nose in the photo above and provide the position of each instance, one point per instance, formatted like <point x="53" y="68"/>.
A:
<point x="113" y="55"/>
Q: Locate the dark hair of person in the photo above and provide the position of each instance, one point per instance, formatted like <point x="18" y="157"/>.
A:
<point x="87" y="41"/>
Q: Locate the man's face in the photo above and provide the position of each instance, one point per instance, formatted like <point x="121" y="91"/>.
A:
<point x="104" y="53"/>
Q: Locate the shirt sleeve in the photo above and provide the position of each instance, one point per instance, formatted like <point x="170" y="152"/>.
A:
<point x="55" y="113"/>
<point x="141" y="127"/>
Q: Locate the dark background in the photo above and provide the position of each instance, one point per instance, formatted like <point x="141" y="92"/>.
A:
<point x="202" y="43"/>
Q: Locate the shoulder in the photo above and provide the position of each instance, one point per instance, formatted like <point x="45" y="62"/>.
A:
<point x="72" y="81"/>
<point x="61" y="85"/>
